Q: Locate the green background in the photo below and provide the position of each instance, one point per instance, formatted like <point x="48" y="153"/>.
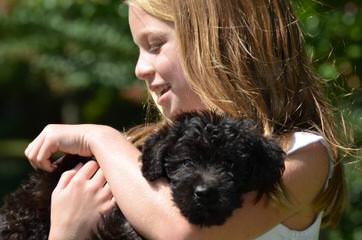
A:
<point x="71" y="61"/>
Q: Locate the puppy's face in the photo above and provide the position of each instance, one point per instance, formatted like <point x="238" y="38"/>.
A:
<point x="205" y="169"/>
<point x="205" y="190"/>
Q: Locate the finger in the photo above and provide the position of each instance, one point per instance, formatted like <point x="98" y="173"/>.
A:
<point x="98" y="178"/>
<point x="113" y="201"/>
<point x="108" y="205"/>
<point x="107" y="187"/>
<point x="45" y="152"/>
<point x="29" y="154"/>
<point x="67" y="176"/>
<point x="28" y="149"/>
<point x="59" y="160"/>
<point x="87" y="171"/>
<point x="34" y="149"/>
<point x="106" y="192"/>
<point x="32" y="164"/>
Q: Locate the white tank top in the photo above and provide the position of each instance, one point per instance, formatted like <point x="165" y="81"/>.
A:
<point x="281" y="232"/>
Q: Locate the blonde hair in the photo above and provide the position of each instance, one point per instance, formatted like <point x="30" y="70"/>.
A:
<point x="247" y="58"/>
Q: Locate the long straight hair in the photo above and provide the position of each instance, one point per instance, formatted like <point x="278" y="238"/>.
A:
<point x="247" y="58"/>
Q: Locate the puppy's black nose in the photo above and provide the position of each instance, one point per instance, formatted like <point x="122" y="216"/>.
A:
<point x="206" y="194"/>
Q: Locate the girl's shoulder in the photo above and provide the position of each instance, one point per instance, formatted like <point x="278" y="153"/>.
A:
<point x="300" y="140"/>
<point x="310" y="162"/>
<point x="310" y="151"/>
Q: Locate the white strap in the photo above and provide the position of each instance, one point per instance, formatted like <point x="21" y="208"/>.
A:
<point x="300" y="140"/>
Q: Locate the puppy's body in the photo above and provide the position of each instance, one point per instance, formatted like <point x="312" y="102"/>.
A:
<point x="209" y="160"/>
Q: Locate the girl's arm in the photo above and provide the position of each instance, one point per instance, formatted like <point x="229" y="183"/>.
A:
<point x="154" y="214"/>
<point x="149" y="207"/>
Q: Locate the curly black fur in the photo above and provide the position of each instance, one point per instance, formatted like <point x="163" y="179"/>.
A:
<point x="209" y="160"/>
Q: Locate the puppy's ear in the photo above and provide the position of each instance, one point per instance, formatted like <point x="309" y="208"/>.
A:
<point x="154" y="151"/>
<point x="267" y="166"/>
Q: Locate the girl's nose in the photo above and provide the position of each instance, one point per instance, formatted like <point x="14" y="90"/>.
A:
<point x="144" y="68"/>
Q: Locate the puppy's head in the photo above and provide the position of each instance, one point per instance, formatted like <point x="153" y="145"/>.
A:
<point x="210" y="160"/>
<point x="204" y="166"/>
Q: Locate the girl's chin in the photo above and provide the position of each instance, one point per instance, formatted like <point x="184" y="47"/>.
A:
<point x="168" y="114"/>
<point x="171" y="113"/>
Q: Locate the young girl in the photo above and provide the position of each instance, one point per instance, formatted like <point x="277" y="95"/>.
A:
<point x="244" y="58"/>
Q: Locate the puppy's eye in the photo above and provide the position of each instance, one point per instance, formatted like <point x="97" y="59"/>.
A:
<point x="170" y="167"/>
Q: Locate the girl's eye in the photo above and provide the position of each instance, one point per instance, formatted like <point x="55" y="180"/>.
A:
<point x="155" y="47"/>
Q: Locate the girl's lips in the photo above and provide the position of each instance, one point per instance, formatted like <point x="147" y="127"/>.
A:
<point x="163" y="97"/>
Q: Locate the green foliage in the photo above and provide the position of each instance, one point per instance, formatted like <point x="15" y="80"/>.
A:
<point x="56" y="57"/>
<point x="70" y="45"/>
<point x="333" y="33"/>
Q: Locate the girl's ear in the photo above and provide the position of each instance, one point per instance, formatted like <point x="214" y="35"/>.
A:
<point x="154" y="151"/>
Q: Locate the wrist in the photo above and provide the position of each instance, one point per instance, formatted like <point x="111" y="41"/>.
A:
<point x="100" y="135"/>
<point x="104" y="139"/>
<point x="57" y="235"/>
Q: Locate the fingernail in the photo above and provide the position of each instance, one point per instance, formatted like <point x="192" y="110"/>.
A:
<point x="79" y="165"/>
<point x="54" y="165"/>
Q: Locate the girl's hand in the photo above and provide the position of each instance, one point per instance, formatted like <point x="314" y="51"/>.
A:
<point x="78" y="201"/>
<point x="72" y="139"/>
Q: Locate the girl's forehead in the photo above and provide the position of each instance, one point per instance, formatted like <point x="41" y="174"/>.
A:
<point x="136" y="16"/>
<point x="141" y="23"/>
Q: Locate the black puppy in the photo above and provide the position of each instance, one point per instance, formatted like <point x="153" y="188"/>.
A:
<point x="209" y="160"/>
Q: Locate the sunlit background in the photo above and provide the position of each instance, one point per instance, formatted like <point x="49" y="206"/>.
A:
<point x="69" y="61"/>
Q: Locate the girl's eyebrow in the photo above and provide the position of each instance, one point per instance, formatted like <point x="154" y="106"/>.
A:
<point x="143" y="35"/>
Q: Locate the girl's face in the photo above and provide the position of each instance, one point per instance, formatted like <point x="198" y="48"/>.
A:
<point x="159" y="65"/>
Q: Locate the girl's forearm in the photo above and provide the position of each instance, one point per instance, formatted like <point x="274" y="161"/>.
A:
<point x="60" y="235"/>
<point x="148" y="206"/>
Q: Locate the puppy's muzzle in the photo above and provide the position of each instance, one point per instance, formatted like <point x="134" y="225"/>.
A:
<point x="206" y="194"/>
